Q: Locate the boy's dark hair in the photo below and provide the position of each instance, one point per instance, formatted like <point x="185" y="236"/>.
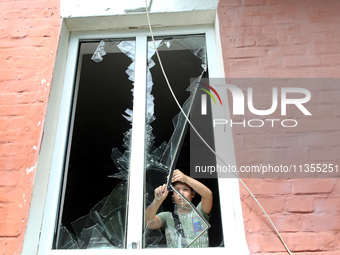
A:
<point x="174" y="183"/>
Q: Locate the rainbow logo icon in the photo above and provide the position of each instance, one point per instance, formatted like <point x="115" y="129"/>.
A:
<point x="204" y="97"/>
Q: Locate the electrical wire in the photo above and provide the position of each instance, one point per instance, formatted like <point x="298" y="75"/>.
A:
<point x="178" y="104"/>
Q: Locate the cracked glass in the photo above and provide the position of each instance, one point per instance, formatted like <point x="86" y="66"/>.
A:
<point x="94" y="201"/>
<point x="179" y="223"/>
<point x="101" y="223"/>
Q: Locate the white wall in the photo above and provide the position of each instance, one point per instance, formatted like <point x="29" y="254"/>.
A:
<point x="127" y="14"/>
<point x="81" y="8"/>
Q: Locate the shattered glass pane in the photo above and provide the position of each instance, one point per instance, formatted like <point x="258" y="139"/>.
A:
<point x="183" y="225"/>
<point x="104" y="227"/>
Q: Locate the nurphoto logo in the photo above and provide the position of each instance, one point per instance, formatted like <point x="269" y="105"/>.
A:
<point x="238" y="99"/>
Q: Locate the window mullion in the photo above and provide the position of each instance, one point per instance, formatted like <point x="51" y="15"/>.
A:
<point x="136" y="171"/>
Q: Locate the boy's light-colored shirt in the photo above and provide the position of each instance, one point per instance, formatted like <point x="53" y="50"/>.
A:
<point x="192" y="226"/>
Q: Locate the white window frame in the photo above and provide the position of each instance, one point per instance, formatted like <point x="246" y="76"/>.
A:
<point x="231" y="212"/>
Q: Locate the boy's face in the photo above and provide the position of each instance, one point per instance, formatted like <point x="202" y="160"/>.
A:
<point x="185" y="190"/>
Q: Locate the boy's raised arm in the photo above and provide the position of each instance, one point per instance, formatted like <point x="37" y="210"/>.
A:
<point x="151" y="219"/>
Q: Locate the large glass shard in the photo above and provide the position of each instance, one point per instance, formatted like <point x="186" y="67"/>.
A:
<point x="67" y="240"/>
<point x="180" y="123"/>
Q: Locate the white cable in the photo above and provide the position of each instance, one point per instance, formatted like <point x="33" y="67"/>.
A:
<point x="173" y="95"/>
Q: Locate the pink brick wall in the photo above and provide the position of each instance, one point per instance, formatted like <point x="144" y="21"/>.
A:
<point x="288" y="39"/>
<point x="29" y="37"/>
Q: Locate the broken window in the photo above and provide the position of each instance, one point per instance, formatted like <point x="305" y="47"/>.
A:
<point x="94" y="202"/>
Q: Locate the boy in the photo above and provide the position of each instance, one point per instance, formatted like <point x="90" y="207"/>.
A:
<point x="181" y="230"/>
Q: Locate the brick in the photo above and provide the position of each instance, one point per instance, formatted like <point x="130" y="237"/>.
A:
<point x="299" y="39"/>
<point x="317" y="139"/>
<point x="260" y="187"/>
<point x="336" y="109"/>
<point x="317" y="18"/>
<point x="239" y="142"/>
<point x="255" y="223"/>
<point x="327" y="96"/>
<point x="241" y="22"/>
<point x="264" y="242"/>
<point x="299" y="242"/>
<point x="259" y="142"/>
<point x="322" y="155"/>
<point x="313" y="124"/>
<point x="229" y="3"/>
<point x="245" y="53"/>
<point x="267" y="41"/>
<point x="284" y="18"/>
<point x="285" y="141"/>
<point x="313" y="186"/>
<point x="20" y="5"/>
<point x="298" y="156"/>
<point x="287" y="222"/>
<point x="258" y="10"/>
<point x="253" y="242"/>
<point x="320" y="222"/>
<point x="10" y="178"/>
<point x="328" y="241"/>
<point x="11" y="228"/>
<point x="323" y="37"/>
<point x="10" y="245"/>
<point x="270" y="204"/>
<point x="326" y="253"/>
<point x="269" y="242"/>
<point x="299" y="205"/>
<point x="7" y="75"/>
<point x="13" y="164"/>
<point x="325" y="110"/>
<point x="8" y="98"/>
<point x="329" y="48"/>
<point x="18" y="34"/>
<point x="259" y="21"/>
<point x="25" y="98"/>
<point x="8" y="211"/>
<point x="10" y="194"/>
<point x="244" y="64"/>
<point x="327" y="204"/>
<point x="253" y="2"/>
<point x="270" y="62"/>
<point x="263" y="156"/>
<point x="243" y="42"/>
<point x="301" y="61"/>
<point x="38" y="13"/>
<point x="330" y="60"/>
<point x="293" y="50"/>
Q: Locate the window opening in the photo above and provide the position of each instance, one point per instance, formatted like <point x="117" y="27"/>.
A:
<point x="178" y="57"/>
<point x="94" y="208"/>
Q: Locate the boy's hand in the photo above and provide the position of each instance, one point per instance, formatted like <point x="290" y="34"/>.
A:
<point x="178" y="176"/>
<point x="161" y="193"/>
